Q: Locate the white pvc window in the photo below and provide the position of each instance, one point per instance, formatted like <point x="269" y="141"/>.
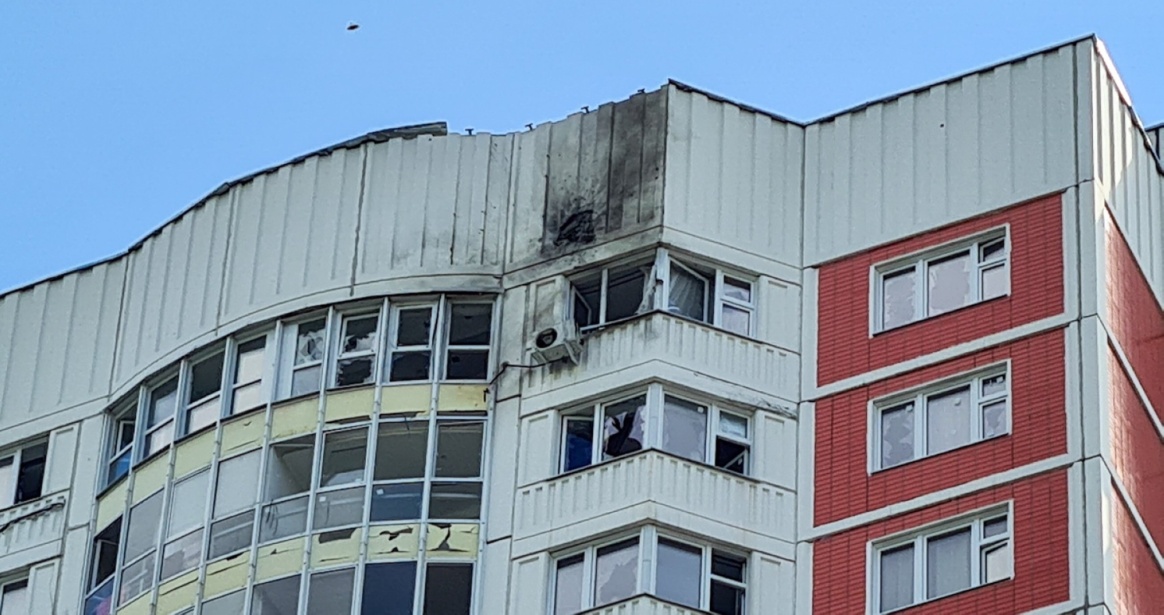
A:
<point x="121" y="441"/>
<point x="204" y="392"/>
<point x="22" y="474"/>
<point x="304" y="345"/>
<point x="249" y="383"/>
<point x="470" y="332"/>
<point x="941" y="281"/>
<point x="358" y="341"/>
<point x="612" y="294"/>
<point x="410" y="353"/>
<point x="14" y="598"/>
<point x="160" y="407"/>
<point x="942" y="417"/>
<point x="941" y="561"/>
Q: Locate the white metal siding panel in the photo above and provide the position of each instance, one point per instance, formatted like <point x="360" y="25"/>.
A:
<point x="733" y="176"/>
<point x="527" y="204"/>
<point x="949" y="152"/>
<point x="774" y="583"/>
<point x="529" y="581"/>
<point x="1130" y="179"/>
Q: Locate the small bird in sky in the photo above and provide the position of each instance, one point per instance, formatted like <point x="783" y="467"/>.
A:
<point x="353" y="26"/>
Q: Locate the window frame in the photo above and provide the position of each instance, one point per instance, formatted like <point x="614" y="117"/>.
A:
<point x="145" y="392"/>
<point x="919" y="261"/>
<point x="187" y="405"/>
<point x="288" y="345"/>
<point x="391" y="345"/>
<point x="10" y="498"/>
<point x="335" y="353"/>
<point x="19" y="581"/>
<point x="919" y="397"/>
<point x="446" y="324"/>
<point x="231" y="384"/>
<point x="919" y="537"/>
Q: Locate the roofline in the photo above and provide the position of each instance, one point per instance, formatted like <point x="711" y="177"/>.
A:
<point x="723" y="99"/>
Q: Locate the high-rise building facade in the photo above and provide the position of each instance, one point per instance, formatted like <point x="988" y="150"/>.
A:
<point x="672" y="355"/>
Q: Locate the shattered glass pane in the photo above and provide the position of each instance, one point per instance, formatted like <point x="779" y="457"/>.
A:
<point x="995" y="282"/>
<point x="994" y="419"/>
<point x="623" y="427"/>
<point x="948" y="420"/>
<point x="949" y="283"/>
<point x="624" y="292"/>
<point x="410" y="366"/>
<point x="579" y="442"/>
<point x="353" y="371"/>
<point x="898" y="299"/>
<point x="616" y="572"/>
<point x="684" y="429"/>
<point x="414" y="327"/>
<point x="470" y="324"/>
<point x="359" y="334"/>
<point x="688" y="293"/>
<point x="309" y="342"/>
<point x="897" y="435"/>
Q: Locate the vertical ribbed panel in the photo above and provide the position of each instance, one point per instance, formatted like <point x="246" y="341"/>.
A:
<point x="59" y="341"/>
<point x="642" y="605"/>
<point x="33" y="524"/>
<point x="733" y="176"/>
<point x="945" y="153"/>
<point x="1130" y="178"/>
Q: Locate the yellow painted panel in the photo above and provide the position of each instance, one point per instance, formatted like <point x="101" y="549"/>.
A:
<point x="335" y="547"/>
<point x="452" y="540"/>
<point x="194" y="454"/>
<point x="243" y="433"/>
<point x="148" y="479"/>
<point x="279" y="559"/>
<point x="393" y="541"/>
<point x="347" y="405"/>
<point x="111" y="504"/>
<point x="176" y="594"/>
<point x="406" y="398"/>
<point x="140" y="606"/>
<point x="294" y="419"/>
<point x="227" y="574"/>
<point x="452" y="397"/>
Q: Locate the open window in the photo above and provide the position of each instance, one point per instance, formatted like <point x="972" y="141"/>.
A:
<point x="358" y="342"/>
<point x="288" y="481"/>
<point x="103" y="564"/>
<point x="612" y="294"/>
<point x="22" y="474"/>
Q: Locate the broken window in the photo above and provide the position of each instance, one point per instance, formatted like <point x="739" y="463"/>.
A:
<point x="356" y="361"/>
<point x="688" y="292"/>
<point x="732" y="442"/>
<point x="226" y="604"/>
<point x="448" y="588"/>
<point x="250" y="364"/>
<point x="401" y="455"/>
<point x="612" y="294"/>
<point x="307" y="345"/>
<point x="616" y="572"/>
<point x="121" y="439"/>
<point x="104" y="554"/>
<point x="160" y="406"/>
<point x="411" y="341"/>
<point x="331" y="592"/>
<point x="22" y="474"/>
<point x="935" y="419"/>
<point x="288" y="481"/>
<point x="470" y="331"/>
<point x="623" y="427"/>
<point x="728" y="583"/>
<point x="184" y="529"/>
<point x="338" y="508"/>
<point x="279" y="597"/>
<point x="936" y="283"/>
<point x="684" y="428"/>
<point x="203" y="400"/>
<point x="237" y="490"/>
<point x="389" y="588"/>
<point x="344" y="457"/>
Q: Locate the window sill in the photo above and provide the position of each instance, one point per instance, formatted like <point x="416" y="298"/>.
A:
<point x="960" y="447"/>
<point x="882" y="331"/>
<point x="945" y="596"/>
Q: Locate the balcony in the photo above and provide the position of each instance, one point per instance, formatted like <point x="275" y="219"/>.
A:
<point x="643" y="605"/>
<point x="654" y="476"/>
<point x="38" y="523"/>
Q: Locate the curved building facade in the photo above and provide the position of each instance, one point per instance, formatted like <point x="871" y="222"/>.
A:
<point x="674" y="355"/>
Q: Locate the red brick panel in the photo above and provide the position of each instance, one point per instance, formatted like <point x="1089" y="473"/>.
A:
<point x="1036" y="280"/>
<point x="1041" y="566"/>
<point x="1138" y="451"/>
<point x="842" y="485"/>
<point x="1137" y="320"/>
<point x="1138" y="580"/>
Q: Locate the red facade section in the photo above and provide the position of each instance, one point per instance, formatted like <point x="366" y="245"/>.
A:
<point x="842" y="485"/>
<point x="1137" y="320"/>
<point x="1138" y="580"/>
<point x="1138" y="450"/>
<point x="844" y="345"/>
<point x="1041" y="559"/>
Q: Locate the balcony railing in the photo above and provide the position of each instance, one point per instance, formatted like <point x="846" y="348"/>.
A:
<point x="643" y="605"/>
<point x="32" y="524"/>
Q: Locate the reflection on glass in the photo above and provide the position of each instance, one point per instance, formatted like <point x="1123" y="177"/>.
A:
<point x="897" y="435"/>
<point x="677" y="573"/>
<point x="568" y="586"/>
<point x="898" y="298"/>
<point x="396" y="501"/>
<point x="616" y="572"/>
<point x="684" y="429"/>
<point x="949" y="283"/>
<point x="948" y="420"/>
<point x="994" y="419"/>
<point x="948" y="563"/>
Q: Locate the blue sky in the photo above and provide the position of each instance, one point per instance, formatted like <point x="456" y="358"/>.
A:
<point x="115" y="116"/>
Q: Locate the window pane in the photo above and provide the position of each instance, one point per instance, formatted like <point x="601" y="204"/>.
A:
<point x="249" y="365"/>
<point x="231" y="534"/>
<point x="389" y="588"/>
<point x="688" y="294"/>
<point x="137" y="577"/>
<point x="100" y="602"/>
<point x="898" y="298"/>
<point x="283" y="519"/>
<point x="118" y="467"/>
<point x="728" y="566"/>
<point x="994" y="419"/>
<point x="396" y="502"/>
<point x="470" y="324"/>
<point x="105" y="546"/>
<point x="726" y="599"/>
<point x="948" y="420"/>
<point x="160" y="438"/>
<point x="182" y="554"/>
<point x="467" y="365"/>
<point x="568" y="586"/>
<point x="330" y="593"/>
<point x="309" y="342"/>
<point x="624" y="295"/>
<point x="448" y="589"/>
<point x="587" y="298"/>
<point x="344" y="454"/>
<point x="238" y="484"/>
<point x="995" y="282"/>
<point x="993" y="250"/>
<point x="163" y="400"/>
<point x="455" y="501"/>
<point x="949" y="283"/>
<point x="276" y="597"/>
<point x="736" y="320"/>
<point x="337" y="508"/>
<point x="684" y="428"/>
<point x="459" y="449"/>
<point x="623" y="427"/>
<point x="30" y="480"/>
<point x="359" y="334"/>
<point x="994" y="385"/>
<point x="142" y="533"/>
<point x="731" y="456"/>
<point x="206" y="377"/>
<point x="737" y="289"/>
<point x="409" y="366"/>
<point x="228" y="604"/>
<point x="677" y="573"/>
<point x="351" y="372"/>
<point x="579" y="444"/>
<point x="247" y="397"/>
<point x="125" y="430"/>
<point x="15" y="598"/>
<point x="733" y="425"/>
<point x="897" y="435"/>
<point x="996" y="562"/>
<point x="305" y="380"/>
<point x="994" y="527"/>
<point x="203" y="415"/>
<point x="896" y="578"/>
<point x="948" y="563"/>
<point x="616" y="572"/>
<point x="7" y="472"/>
<point x="188" y="503"/>
<point x="414" y="327"/>
<point x="400" y="449"/>
<point x="289" y="467"/>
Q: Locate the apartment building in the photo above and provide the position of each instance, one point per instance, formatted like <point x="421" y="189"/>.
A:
<point x="674" y="355"/>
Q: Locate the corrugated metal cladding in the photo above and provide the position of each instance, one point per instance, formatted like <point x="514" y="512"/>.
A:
<point x="948" y="152"/>
<point x="1129" y="176"/>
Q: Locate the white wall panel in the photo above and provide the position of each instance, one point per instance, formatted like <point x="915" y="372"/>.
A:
<point x="538" y="447"/>
<point x="778" y="313"/>
<point x="733" y="176"/>
<point x="529" y="582"/>
<point x="774" y="583"/>
<point x="42" y="588"/>
<point x="942" y="154"/>
<point x="38" y="523"/>
<point x="644" y="605"/>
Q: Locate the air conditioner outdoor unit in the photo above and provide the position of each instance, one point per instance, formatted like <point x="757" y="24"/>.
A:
<point x="556" y="343"/>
